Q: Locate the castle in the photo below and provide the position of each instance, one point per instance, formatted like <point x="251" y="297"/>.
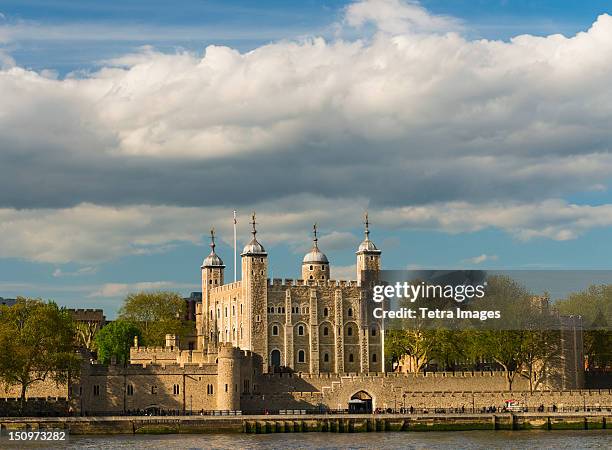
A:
<point x="311" y="325"/>
<point x="311" y="343"/>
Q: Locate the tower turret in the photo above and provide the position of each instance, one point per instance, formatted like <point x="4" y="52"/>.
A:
<point x="212" y="277"/>
<point x="255" y="294"/>
<point x="315" y="265"/>
<point x="368" y="257"/>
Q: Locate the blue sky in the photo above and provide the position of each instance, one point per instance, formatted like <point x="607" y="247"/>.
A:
<point x="121" y="190"/>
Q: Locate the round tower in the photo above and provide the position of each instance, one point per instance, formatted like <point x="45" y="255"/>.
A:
<point x="315" y="265"/>
<point x="368" y="258"/>
<point x="228" y="377"/>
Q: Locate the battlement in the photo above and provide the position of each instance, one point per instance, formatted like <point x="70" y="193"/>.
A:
<point x="227" y="287"/>
<point x="290" y="282"/>
<point x="379" y="376"/>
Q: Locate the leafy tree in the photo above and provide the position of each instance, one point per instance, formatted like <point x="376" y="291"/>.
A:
<point x="115" y="339"/>
<point x="85" y="334"/>
<point x="595" y="306"/>
<point x="37" y="343"/>
<point x="156" y="314"/>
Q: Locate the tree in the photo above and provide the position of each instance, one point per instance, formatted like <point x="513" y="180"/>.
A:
<point x="414" y="343"/>
<point x="595" y="306"/>
<point x="156" y="314"/>
<point x="37" y="342"/>
<point x="85" y="334"/>
<point x="115" y="340"/>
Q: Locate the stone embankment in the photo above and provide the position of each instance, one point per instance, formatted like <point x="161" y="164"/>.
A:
<point x="341" y="423"/>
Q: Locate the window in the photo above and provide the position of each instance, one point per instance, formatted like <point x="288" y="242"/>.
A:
<point x="153" y="390"/>
<point x="322" y="277"/>
<point x="349" y="331"/>
<point x="280" y="310"/>
<point x="373" y="357"/>
<point x="96" y="389"/>
<point x="246" y="386"/>
<point x="351" y="359"/>
<point x="350" y="312"/>
<point x="275" y="330"/>
<point x="326" y="357"/>
<point x="325" y="312"/>
<point x="300" y="330"/>
<point x="209" y="389"/>
<point x="310" y="267"/>
<point x="373" y="331"/>
<point x="226" y="311"/>
<point x="226" y="387"/>
<point x="301" y="356"/>
<point x="175" y="389"/>
<point x="233" y="310"/>
<point x="311" y="277"/>
<point x="322" y="267"/>
<point x="257" y="318"/>
<point x="130" y="389"/>
<point x="325" y="331"/>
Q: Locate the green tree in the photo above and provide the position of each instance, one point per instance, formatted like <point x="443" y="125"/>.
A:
<point x="37" y="343"/>
<point x="594" y="304"/>
<point x="115" y="340"/>
<point x="156" y="314"/>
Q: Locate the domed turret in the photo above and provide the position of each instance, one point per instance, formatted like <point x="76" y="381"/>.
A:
<point x="212" y="260"/>
<point x="253" y="247"/>
<point x="315" y="265"/>
<point x="367" y="246"/>
<point x="368" y="258"/>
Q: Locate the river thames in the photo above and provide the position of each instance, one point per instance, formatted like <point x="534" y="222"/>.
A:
<point x="590" y="439"/>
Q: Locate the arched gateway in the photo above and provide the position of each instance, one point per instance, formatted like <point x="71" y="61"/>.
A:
<point x="360" y="403"/>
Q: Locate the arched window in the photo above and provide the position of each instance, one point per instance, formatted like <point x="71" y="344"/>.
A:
<point x="349" y="331"/>
<point x="322" y="277"/>
<point x="300" y="330"/>
<point x="350" y="312"/>
<point x="373" y="357"/>
<point x="326" y="357"/>
<point x="373" y="331"/>
<point x="351" y="359"/>
<point x="325" y="331"/>
<point x="301" y="356"/>
<point x="275" y="330"/>
<point x="325" y="312"/>
<point x="310" y="267"/>
<point x="311" y="277"/>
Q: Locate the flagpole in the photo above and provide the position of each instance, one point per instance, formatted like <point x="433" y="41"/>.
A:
<point x="234" y="246"/>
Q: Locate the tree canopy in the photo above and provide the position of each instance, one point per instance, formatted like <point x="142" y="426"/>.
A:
<point x="156" y="314"/>
<point x="37" y="340"/>
<point x="115" y="340"/>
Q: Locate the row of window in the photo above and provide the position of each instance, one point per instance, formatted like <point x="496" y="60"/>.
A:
<point x="176" y="390"/>
<point x="226" y="312"/>
<point x="301" y="330"/>
<point x="302" y="357"/>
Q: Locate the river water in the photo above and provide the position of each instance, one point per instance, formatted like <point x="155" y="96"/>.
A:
<point x="589" y="439"/>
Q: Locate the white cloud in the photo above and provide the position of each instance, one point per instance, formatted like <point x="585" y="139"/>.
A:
<point x="398" y="16"/>
<point x="343" y="272"/>
<point x="111" y="290"/>
<point x="153" y="148"/>
<point x="88" y="234"/>
<point x="481" y="259"/>
<point x="88" y="270"/>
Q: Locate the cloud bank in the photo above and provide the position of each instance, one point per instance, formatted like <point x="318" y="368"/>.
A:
<point x="420" y="124"/>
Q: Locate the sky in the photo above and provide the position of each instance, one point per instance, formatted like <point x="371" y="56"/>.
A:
<point x="476" y="133"/>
